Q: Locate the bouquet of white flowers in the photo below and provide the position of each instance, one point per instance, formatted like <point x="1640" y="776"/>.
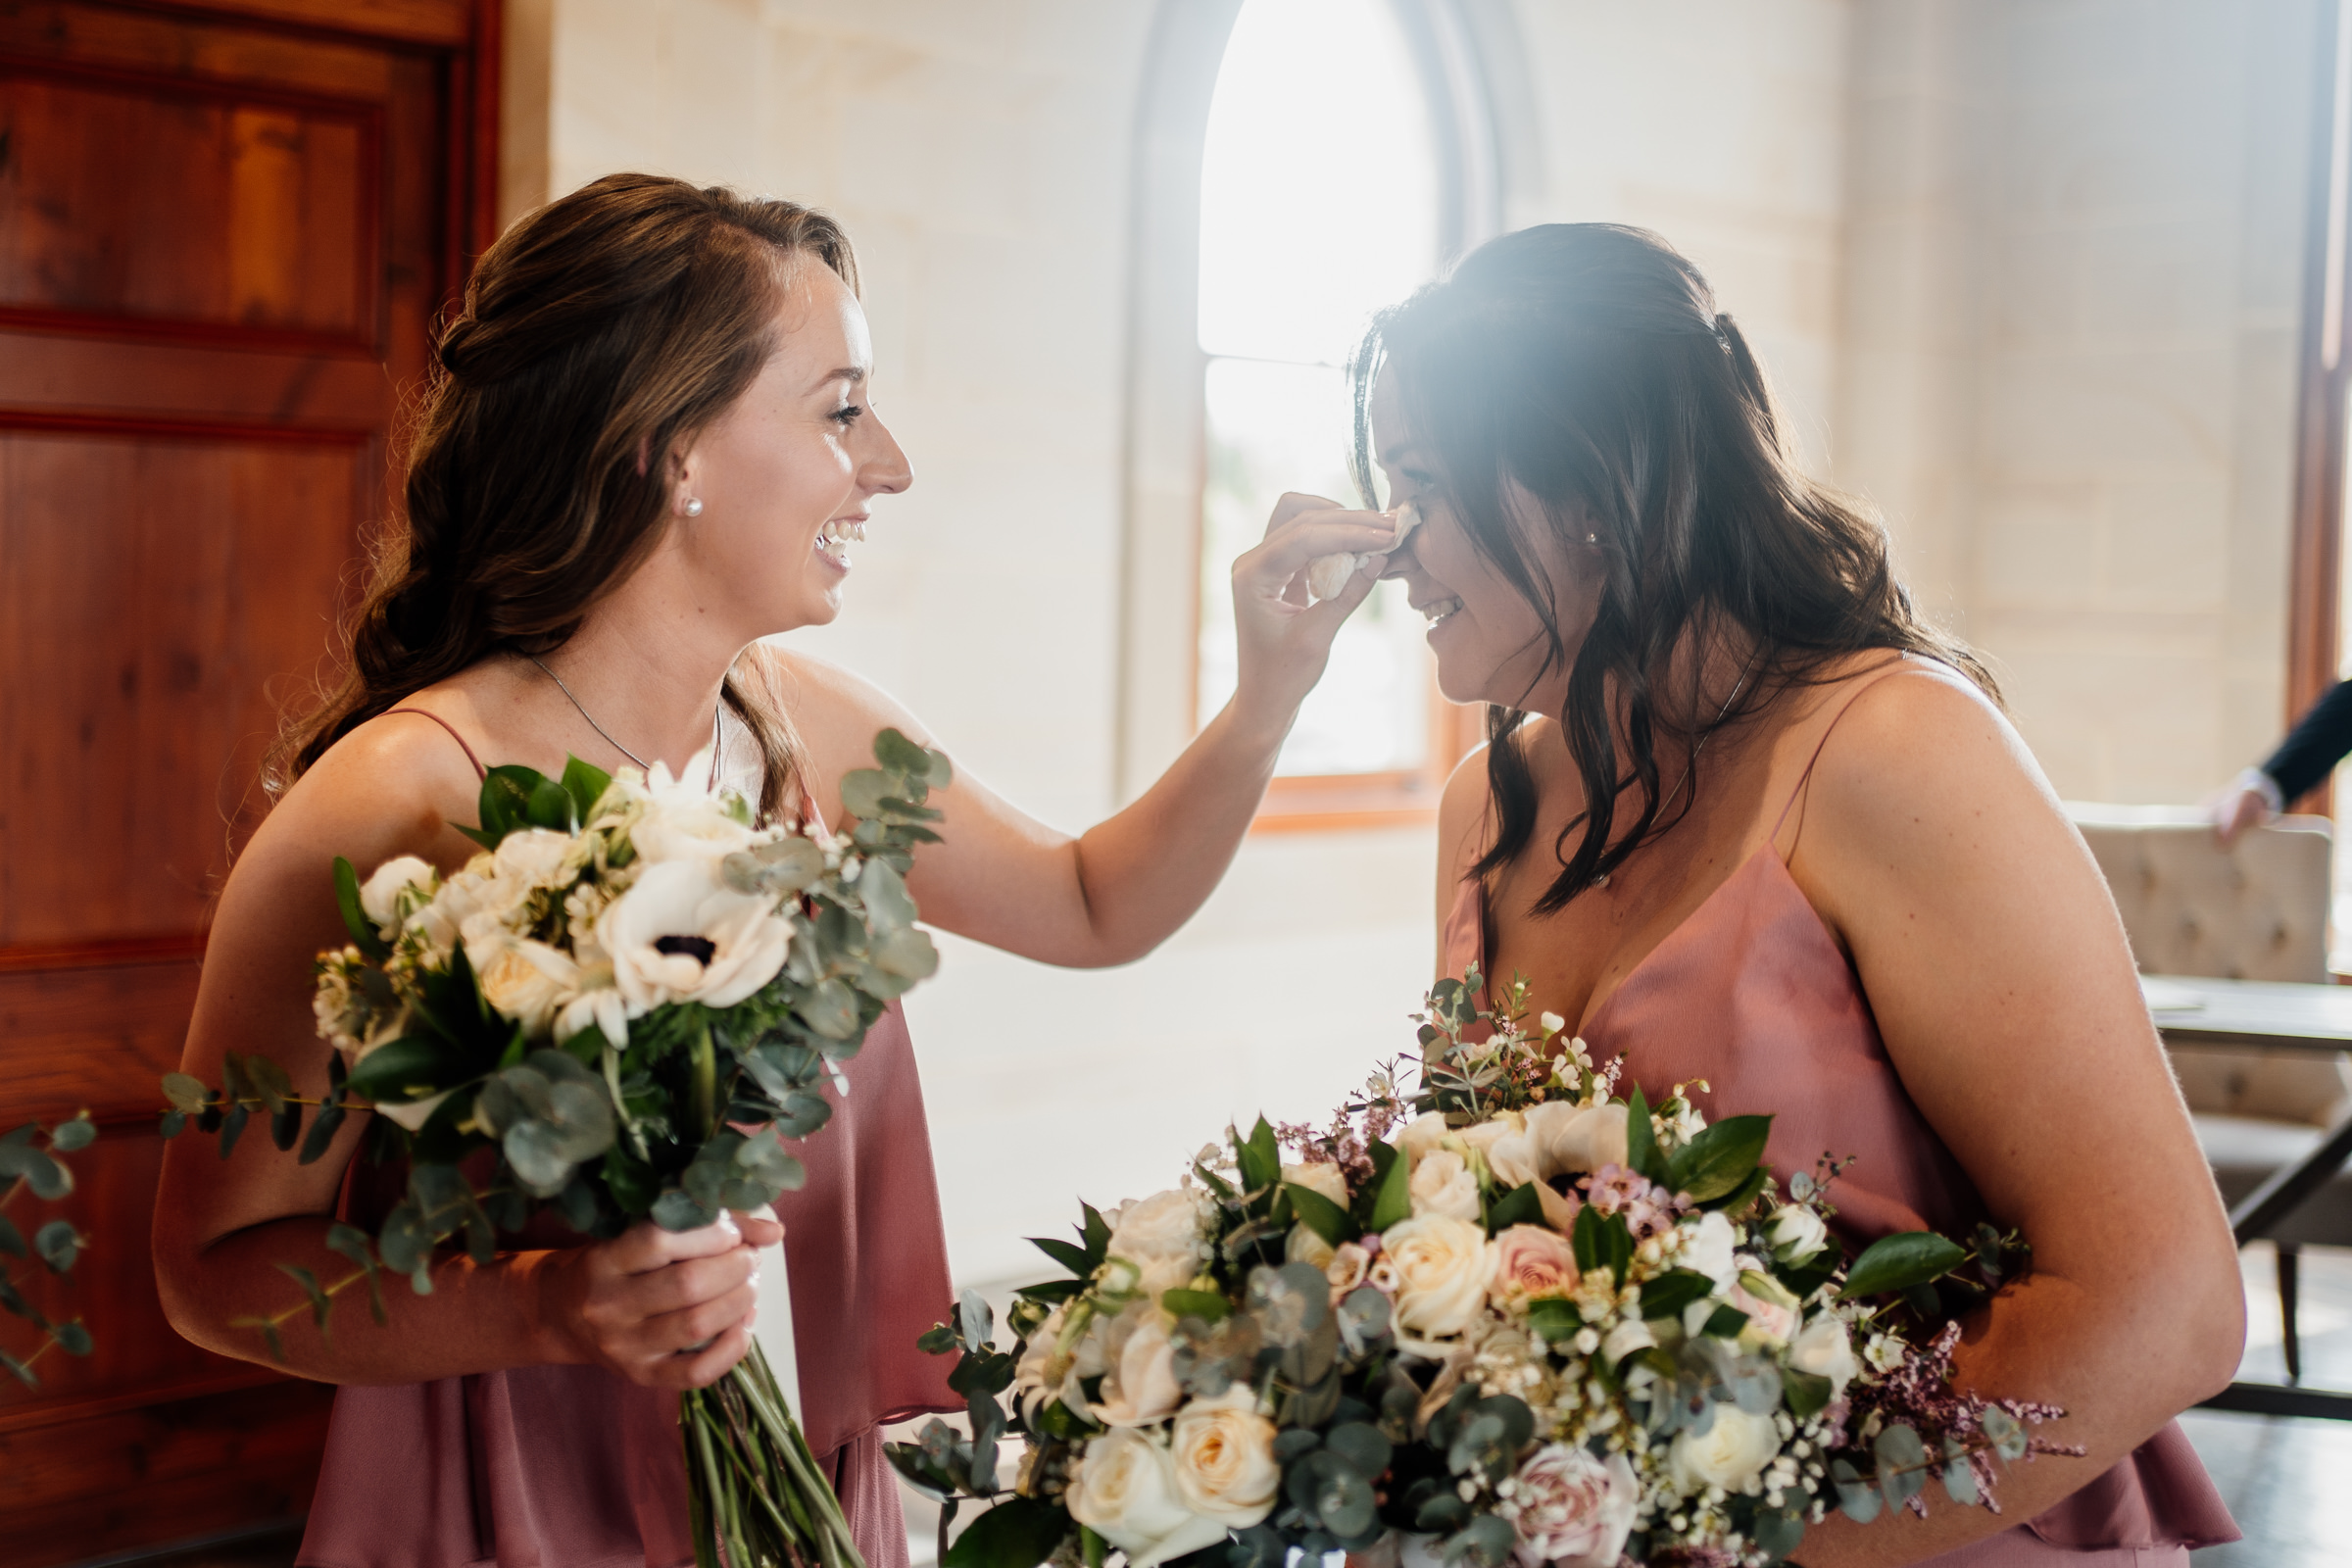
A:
<point x="625" y="1003"/>
<point x="1544" y="1323"/>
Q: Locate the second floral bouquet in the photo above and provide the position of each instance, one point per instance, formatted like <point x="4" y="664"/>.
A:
<point x="1515" y="1316"/>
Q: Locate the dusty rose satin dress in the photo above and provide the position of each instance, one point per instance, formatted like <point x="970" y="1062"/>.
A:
<point x="1751" y="994"/>
<point x="571" y="1467"/>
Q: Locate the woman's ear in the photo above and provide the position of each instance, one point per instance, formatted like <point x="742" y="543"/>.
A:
<point x="682" y="469"/>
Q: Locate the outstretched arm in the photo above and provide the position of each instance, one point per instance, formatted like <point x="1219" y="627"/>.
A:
<point x="1996" y="967"/>
<point x="1116" y="891"/>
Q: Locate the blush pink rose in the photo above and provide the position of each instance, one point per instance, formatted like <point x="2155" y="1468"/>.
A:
<point x="1531" y="1261"/>
<point x="1573" y="1510"/>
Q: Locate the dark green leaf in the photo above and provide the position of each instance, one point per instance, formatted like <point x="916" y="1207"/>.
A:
<point x="1601" y="1240"/>
<point x="1807" y="1394"/>
<point x="1095" y="1233"/>
<point x="11" y="1239"/>
<point x="1553" y="1318"/>
<point x="1017" y="1533"/>
<point x="267" y="1331"/>
<point x="48" y="1178"/>
<point x="415" y="1068"/>
<point x="1394" y="1203"/>
<point x="79" y="1133"/>
<point x="285" y="1125"/>
<point x="185" y="1093"/>
<point x="71" y="1337"/>
<point x="1667" y="1295"/>
<point x="674" y="1210"/>
<point x="1642" y="1152"/>
<point x="1778" y="1531"/>
<point x="1902" y="1464"/>
<point x="1858" y="1499"/>
<point x="586" y="785"/>
<point x="18" y="1370"/>
<point x="1725" y="1322"/>
<point x="363" y="934"/>
<point x="173" y="1123"/>
<point x="267" y="1081"/>
<point x="1896" y="1263"/>
<point x="1716" y="1162"/>
<point x="1320" y="1215"/>
<point x="1257" y="1157"/>
<point x="1068" y="1255"/>
<point x="1521" y="1205"/>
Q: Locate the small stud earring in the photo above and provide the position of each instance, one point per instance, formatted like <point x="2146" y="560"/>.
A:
<point x="1591" y="538"/>
<point x="694" y="506"/>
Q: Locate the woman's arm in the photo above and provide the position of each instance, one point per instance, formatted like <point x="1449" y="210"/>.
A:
<point x="1116" y="891"/>
<point x="1461" y="833"/>
<point x="224" y="1227"/>
<point x="1996" y="967"/>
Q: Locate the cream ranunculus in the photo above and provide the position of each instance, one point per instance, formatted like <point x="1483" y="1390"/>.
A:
<point x="1444" y="1185"/>
<point x="687" y="827"/>
<point x="1823" y="1348"/>
<point x="529" y="982"/>
<point x="1442" y="1266"/>
<point x="1126" y="1492"/>
<point x="1796" y="1232"/>
<point x="1161" y="1236"/>
<point x="379" y="894"/>
<point x="1224" y="1454"/>
<point x="1577" y="1138"/>
<point x="1574" y="1510"/>
<point x="534" y="858"/>
<point x="682" y="935"/>
<point x="1139" y="1388"/>
<point x="1734" y="1451"/>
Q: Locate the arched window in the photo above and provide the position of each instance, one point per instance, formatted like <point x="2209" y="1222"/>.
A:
<point x="1301" y="165"/>
<point x="1319" y="204"/>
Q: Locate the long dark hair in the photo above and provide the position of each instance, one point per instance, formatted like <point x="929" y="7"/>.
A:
<point x="1588" y="363"/>
<point x="598" y="335"/>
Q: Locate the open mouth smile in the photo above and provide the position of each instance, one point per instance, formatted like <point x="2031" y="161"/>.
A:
<point x="835" y="537"/>
<point x="1439" y="610"/>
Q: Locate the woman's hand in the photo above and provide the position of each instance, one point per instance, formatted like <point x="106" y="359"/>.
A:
<point x="1283" y="640"/>
<point x="2245" y="803"/>
<point x="668" y="1309"/>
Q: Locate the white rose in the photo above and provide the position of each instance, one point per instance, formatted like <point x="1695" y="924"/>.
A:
<point x="1441" y="1184"/>
<point x="1484" y="1135"/>
<point x="1823" y="1349"/>
<point x="1160" y="1236"/>
<point x="529" y="982"/>
<point x="1139" y="1388"/>
<point x="1734" y="1452"/>
<point x="1422" y="1134"/>
<point x="1440" y="1266"/>
<point x="1224" y="1454"/>
<point x="1577" y="1138"/>
<point x="379" y="894"/>
<point x="696" y="828"/>
<point x="1126" y="1492"/>
<point x="538" y="857"/>
<point x="1574" y="1510"/>
<point x="1711" y="1247"/>
<point x="682" y="935"/>
<point x="1796" y="1232"/>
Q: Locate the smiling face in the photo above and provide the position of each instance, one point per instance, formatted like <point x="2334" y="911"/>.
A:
<point x="785" y="474"/>
<point x="1491" y="643"/>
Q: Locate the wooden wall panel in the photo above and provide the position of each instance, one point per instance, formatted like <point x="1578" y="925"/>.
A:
<point x="137" y="200"/>
<point x="224" y="232"/>
<point x="151" y="589"/>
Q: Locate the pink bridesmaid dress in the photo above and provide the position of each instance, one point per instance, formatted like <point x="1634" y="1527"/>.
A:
<point x="1751" y="994"/>
<point x="572" y="1467"/>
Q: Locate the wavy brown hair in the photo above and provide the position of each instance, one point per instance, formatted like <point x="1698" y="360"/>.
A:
<point x="1588" y="363"/>
<point x="598" y="335"/>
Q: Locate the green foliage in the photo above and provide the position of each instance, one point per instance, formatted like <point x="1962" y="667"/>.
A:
<point x="1899" y="1261"/>
<point x="1017" y="1533"/>
<point x="1521" y="1205"/>
<point x="1393" y="1196"/>
<point x="1601" y="1240"/>
<point x="1717" y="1163"/>
<point x="29" y="1164"/>
<point x="363" y="934"/>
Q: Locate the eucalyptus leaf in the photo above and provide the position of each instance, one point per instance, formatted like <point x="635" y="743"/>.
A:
<point x="57" y="1243"/>
<point x="76" y="1133"/>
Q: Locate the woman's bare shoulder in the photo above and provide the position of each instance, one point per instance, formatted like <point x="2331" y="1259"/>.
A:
<point x="393" y="786"/>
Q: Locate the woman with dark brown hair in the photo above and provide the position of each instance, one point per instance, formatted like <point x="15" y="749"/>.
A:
<point x="1747" y="819"/>
<point x="649" y="447"/>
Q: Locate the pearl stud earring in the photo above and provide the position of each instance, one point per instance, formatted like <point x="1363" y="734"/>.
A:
<point x="694" y="506"/>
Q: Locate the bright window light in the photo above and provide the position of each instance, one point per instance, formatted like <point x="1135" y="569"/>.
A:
<point x="1318" y="207"/>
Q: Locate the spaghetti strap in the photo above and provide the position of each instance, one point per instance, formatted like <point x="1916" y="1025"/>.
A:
<point x="479" y="771"/>
<point x="1901" y="667"/>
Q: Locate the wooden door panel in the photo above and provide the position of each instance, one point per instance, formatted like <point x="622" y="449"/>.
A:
<point x="224" y="231"/>
<point x="151" y="589"/>
<point x="186" y="206"/>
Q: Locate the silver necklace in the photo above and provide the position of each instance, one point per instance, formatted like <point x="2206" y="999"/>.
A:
<point x="1689" y="767"/>
<point x="717" y="734"/>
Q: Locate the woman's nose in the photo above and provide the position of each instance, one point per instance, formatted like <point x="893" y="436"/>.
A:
<point x="885" y="469"/>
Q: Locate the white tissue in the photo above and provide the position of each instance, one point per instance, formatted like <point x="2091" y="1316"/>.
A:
<point x="1326" y="575"/>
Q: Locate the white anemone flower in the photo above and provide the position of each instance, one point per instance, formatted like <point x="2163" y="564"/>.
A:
<point x="681" y="934"/>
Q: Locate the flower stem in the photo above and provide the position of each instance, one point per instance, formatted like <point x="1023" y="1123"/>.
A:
<point x="702" y="1092"/>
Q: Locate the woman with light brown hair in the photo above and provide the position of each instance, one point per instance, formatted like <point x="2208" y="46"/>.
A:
<point x="1747" y="819"/>
<point x="649" y="446"/>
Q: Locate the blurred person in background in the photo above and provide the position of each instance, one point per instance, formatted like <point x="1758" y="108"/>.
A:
<point x="2319" y="741"/>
